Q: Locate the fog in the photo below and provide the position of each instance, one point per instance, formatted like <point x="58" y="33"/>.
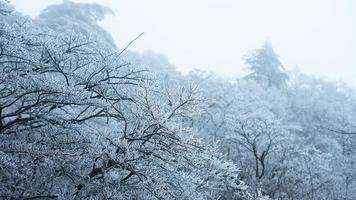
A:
<point x="316" y="37"/>
<point x="177" y="100"/>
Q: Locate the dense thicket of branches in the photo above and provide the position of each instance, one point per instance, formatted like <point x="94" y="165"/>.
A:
<point x="295" y="141"/>
<point x="81" y="119"/>
<point x="78" y="122"/>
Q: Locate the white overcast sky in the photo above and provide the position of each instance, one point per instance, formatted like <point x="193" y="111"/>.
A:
<point x="317" y="36"/>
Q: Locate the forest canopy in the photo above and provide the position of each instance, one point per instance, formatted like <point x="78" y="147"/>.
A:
<point x="81" y="118"/>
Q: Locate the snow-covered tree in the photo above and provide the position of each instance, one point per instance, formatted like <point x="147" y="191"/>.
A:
<point x="82" y="119"/>
<point x="81" y="18"/>
<point x="78" y="122"/>
<point x="265" y="67"/>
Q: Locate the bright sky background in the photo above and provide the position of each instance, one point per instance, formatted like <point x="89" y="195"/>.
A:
<point x="317" y="36"/>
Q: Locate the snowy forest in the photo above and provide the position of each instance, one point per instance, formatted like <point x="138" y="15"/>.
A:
<point x="81" y="118"/>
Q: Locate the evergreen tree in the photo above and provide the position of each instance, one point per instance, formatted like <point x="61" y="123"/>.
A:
<point x="265" y="67"/>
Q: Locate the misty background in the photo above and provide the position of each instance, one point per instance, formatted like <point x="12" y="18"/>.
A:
<point x="316" y="37"/>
